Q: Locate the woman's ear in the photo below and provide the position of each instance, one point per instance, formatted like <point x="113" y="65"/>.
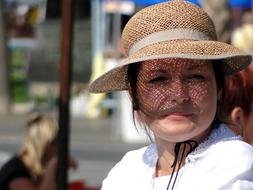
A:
<point x="238" y="119"/>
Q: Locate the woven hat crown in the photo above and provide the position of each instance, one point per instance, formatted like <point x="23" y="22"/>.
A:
<point x="174" y="29"/>
<point x="165" y="17"/>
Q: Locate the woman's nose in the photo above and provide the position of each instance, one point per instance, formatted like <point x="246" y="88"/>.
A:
<point x="179" y="92"/>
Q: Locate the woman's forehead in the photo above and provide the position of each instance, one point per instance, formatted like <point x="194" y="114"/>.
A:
<point x="175" y="64"/>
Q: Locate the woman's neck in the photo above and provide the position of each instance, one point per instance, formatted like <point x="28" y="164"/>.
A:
<point x="167" y="154"/>
<point x="166" y="158"/>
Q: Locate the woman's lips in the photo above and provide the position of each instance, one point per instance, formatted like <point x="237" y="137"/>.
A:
<point x="178" y="116"/>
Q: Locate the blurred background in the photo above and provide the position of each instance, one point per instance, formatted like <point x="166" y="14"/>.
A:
<point x="101" y="131"/>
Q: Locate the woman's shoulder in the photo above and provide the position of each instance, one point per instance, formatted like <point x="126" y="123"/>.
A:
<point x="225" y="150"/>
<point x="135" y="153"/>
<point x="223" y="161"/>
<point x="228" y="144"/>
<point x="223" y="139"/>
<point x="223" y="146"/>
<point x="236" y="150"/>
<point x="226" y="165"/>
<point x="12" y="169"/>
<point x="139" y="157"/>
<point x="133" y="168"/>
<point x="13" y="162"/>
<point x="145" y="154"/>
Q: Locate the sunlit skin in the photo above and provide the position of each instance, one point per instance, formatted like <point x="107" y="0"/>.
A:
<point x="177" y="100"/>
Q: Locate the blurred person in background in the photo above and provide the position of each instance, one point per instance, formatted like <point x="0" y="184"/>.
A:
<point x="237" y="110"/>
<point x="242" y="37"/>
<point x="34" y="166"/>
<point x="220" y="13"/>
<point x="21" y="20"/>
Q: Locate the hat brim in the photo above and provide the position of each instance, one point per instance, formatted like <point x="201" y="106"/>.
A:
<point x="233" y="60"/>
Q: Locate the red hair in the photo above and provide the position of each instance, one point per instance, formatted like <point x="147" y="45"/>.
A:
<point x="238" y="92"/>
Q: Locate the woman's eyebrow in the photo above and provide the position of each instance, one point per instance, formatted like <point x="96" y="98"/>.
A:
<point x="195" y="66"/>
<point x="157" y="70"/>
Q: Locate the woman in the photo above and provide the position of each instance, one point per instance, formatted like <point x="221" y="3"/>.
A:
<point x="174" y="73"/>
<point x="237" y="110"/>
<point x="34" y="166"/>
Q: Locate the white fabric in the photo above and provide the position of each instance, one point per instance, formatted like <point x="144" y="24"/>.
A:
<point x="221" y="162"/>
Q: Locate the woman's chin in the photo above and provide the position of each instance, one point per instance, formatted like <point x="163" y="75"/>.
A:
<point x="178" y="131"/>
<point x="178" y="126"/>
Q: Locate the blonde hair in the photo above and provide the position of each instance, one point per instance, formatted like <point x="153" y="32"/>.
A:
<point x="40" y="131"/>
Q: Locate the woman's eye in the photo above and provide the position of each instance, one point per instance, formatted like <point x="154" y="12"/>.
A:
<point x="158" y="79"/>
<point x="197" y="77"/>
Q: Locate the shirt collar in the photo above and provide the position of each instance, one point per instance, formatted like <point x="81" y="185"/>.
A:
<point x="218" y="134"/>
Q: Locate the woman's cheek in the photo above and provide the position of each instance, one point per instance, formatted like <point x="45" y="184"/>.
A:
<point x="199" y="92"/>
<point x="151" y="98"/>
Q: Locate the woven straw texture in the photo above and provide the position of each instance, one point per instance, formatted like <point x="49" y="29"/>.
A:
<point x="169" y="16"/>
<point x="166" y="16"/>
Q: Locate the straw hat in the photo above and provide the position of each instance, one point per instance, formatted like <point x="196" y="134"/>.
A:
<point x="174" y="29"/>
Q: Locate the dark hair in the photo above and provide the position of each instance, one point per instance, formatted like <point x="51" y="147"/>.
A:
<point x="220" y="80"/>
<point x="132" y="79"/>
<point x="221" y="86"/>
<point x="239" y="92"/>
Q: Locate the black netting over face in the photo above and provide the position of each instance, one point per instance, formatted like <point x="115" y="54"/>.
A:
<point x="171" y="86"/>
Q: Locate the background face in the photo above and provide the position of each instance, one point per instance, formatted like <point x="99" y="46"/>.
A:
<point x="177" y="97"/>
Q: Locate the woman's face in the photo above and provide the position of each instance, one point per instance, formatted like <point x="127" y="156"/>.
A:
<point x="177" y="97"/>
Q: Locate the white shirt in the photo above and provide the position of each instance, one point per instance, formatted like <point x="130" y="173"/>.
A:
<point x="221" y="162"/>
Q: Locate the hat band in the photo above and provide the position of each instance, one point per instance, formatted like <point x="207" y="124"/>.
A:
<point x="174" y="34"/>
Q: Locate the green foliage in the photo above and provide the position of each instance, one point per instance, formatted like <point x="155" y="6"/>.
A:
<point x="19" y="93"/>
<point x="18" y="75"/>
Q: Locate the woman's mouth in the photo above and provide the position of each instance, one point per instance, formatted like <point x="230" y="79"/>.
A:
<point x="178" y="116"/>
